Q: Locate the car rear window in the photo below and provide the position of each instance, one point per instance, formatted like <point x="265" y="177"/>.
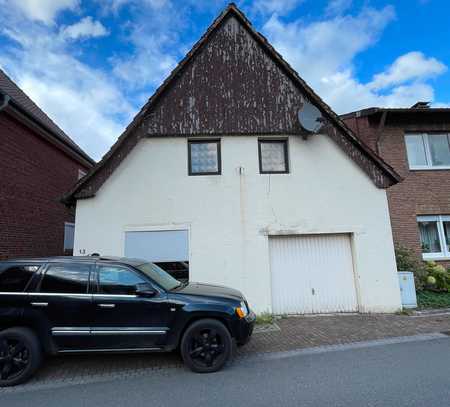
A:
<point x="16" y="278"/>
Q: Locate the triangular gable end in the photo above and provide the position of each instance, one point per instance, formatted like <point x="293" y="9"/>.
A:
<point x="232" y="82"/>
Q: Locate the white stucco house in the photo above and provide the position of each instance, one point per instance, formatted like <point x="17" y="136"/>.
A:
<point x="217" y="171"/>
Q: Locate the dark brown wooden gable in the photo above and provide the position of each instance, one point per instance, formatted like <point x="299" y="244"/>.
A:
<point x="231" y="87"/>
<point x="232" y="82"/>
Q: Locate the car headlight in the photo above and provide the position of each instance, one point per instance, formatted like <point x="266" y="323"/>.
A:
<point x="242" y="310"/>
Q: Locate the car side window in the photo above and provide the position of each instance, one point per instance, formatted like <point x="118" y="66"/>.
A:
<point x="16" y="278"/>
<point x="116" y="280"/>
<point x="66" y="279"/>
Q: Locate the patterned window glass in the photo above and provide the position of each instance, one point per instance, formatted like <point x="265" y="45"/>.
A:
<point x="273" y="156"/>
<point x="204" y="157"/>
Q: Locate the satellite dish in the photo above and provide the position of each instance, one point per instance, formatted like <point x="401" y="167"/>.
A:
<point x="310" y="117"/>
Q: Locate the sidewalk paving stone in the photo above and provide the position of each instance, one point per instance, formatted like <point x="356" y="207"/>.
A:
<point x="293" y="333"/>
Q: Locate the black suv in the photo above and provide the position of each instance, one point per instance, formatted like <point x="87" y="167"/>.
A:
<point x="97" y="304"/>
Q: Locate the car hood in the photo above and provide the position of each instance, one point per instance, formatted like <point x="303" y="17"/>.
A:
<point x="209" y="290"/>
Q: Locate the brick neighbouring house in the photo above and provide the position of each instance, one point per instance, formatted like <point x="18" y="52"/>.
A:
<point x="416" y="143"/>
<point x="38" y="163"/>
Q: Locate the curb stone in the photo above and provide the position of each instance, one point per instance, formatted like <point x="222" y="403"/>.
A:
<point x="431" y="312"/>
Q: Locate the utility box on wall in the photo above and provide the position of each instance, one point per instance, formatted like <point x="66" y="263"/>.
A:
<point x="407" y="289"/>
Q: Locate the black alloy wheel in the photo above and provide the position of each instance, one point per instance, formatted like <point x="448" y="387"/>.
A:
<point x="20" y="355"/>
<point x="206" y="346"/>
<point x="14" y="358"/>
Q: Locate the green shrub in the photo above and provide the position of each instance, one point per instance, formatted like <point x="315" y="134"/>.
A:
<point x="438" y="277"/>
<point x="264" y="319"/>
<point x="407" y="260"/>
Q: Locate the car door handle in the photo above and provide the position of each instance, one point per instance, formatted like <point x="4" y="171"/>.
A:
<point x="107" y="305"/>
<point x="39" y="304"/>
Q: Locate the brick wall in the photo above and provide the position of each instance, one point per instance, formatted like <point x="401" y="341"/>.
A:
<point x="33" y="176"/>
<point x="420" y="193"/>
<point x="363" y="129"/>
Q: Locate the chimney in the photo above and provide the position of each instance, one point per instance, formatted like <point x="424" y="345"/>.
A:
<point x="421" y="105"/>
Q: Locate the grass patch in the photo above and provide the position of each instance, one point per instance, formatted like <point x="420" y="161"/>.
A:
<point x="264" y="319"/>
<point x="405" y="311"/>
<point x="430" y="299"/>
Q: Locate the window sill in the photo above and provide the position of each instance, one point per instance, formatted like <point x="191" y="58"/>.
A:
<point x="446" y="168"/>
<point x="200" y="174"/>
<point x="274" y="172"/>
<point x="435" y="257"/>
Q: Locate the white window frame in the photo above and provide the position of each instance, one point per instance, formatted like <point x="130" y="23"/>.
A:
<point x="426" y="143"/>
<point x="444" y="254"/>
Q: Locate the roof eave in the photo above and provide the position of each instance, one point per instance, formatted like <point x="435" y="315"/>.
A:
<point x="394" y="110"/>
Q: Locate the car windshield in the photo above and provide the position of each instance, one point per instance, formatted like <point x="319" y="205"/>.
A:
<point x="159" y="276"/>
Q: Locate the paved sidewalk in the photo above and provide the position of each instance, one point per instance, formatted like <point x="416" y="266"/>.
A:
<point x="309" y="331"/>
<point x="295" y="333"/>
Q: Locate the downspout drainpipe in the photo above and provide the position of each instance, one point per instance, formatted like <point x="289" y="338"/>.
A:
<point x="380" y="131"/>
<point x="5" y="101"/>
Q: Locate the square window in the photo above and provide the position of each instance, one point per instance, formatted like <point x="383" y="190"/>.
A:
<point x="429" y="237"/>
<point x="439" y="149"/>
<point x="273" y="157"/>
<point x="204" y="157"/>
<point x="435" y="236"/>
<point x="415" y="148"/>
<point x="428" y="151"/>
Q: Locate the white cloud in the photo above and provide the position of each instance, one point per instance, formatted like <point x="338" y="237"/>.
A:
<point x="43" y="10"/>
<point x="82" y="100"/>
<point x="323" y="52"/>
<point x="280" y="7"/>
<point x="336" y="7"/>
<point x="85" y="28"/>
<point x="115" y="5"/>
<point x="154" y="41"/>
<point x="147" y="66"/>
<point x="411" y="66"/>
<point x="321" y="48"/>
<point x="344" y="93"/>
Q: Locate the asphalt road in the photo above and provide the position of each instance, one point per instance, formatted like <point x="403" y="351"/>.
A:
<point x="403" y="374"/>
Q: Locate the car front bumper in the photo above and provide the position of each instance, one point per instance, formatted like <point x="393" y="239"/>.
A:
<point x="244" y="329"/>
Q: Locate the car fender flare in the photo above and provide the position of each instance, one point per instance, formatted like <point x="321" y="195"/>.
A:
<point x="192" y="313"/>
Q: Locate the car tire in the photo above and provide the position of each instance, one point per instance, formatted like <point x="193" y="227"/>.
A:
<point x="206" y="346"/>
<point x="20" y="355"/>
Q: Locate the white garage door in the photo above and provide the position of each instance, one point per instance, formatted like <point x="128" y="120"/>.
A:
<point x="312" y="274"/>
<point x="158" y="246"/>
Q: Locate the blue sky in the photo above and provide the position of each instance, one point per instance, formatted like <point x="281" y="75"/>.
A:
<point x="92" y="64"/>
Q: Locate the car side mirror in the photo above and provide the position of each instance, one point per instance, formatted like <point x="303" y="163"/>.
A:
<point x="145" y="290"/>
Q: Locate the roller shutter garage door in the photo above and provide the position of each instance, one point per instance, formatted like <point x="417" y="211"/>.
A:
<point x="157" y="246"/>
<point x="312" y="274"/>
